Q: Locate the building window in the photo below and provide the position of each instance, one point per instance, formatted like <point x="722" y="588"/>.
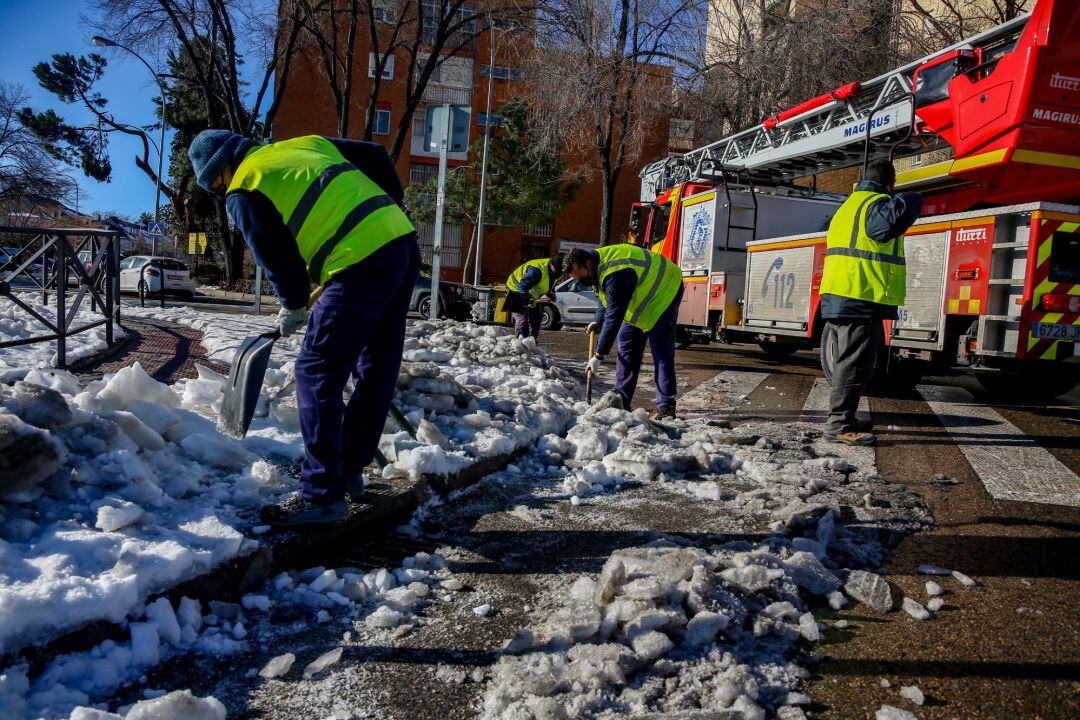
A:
<point x="382" y="121"/>
<point x="482" y="119"/>
<point x="419" y="174"/>
<point x="500" y="73"/>
<point x="385" y="11"/>
<point x="917" y="159"/>
<point x="388" y="69"/>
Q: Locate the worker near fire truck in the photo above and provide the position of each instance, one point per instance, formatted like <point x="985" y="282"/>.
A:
<point x="862" y="284"/>
<point x="639" y="293"/>
<point x="531" y="281"/>
<point x="325" y="211"/>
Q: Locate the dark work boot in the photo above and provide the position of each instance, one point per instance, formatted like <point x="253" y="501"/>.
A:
<point x="665" y="412"/>
<point x="295" y="512"/>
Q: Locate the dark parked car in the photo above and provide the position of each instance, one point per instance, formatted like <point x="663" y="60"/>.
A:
<point x="455" y="300"/>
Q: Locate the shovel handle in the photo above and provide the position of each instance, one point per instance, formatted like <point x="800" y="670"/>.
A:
<point x="589" y="373"/>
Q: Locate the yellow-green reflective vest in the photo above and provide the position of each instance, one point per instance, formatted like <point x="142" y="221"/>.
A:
<point x="857" y="266"/>
<point x="658" y="281"/>
<point x="514" y="281"/>
<point x="337" y="214"/>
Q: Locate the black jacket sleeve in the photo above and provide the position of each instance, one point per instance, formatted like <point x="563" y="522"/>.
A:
<point x="271" y="245"/>
<point x="890" y="218"/>
<point x="373" y="160"/>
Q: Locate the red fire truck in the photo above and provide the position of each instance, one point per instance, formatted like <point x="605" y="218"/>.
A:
<point x="994" y="263"/>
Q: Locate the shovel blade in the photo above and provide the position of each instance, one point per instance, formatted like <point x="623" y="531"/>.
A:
<point x="244" y="385"/>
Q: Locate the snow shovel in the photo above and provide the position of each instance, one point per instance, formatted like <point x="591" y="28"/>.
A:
<point x="589" y="373"/>
<point x="246" y="378"/>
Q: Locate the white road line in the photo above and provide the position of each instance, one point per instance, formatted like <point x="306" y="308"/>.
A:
<point x="816" y="407"/>
<point x="1010" y="464"/>
<point x="722" y="392"/>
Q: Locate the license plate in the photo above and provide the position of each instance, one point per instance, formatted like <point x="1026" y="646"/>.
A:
<point x="1055" y="331"/>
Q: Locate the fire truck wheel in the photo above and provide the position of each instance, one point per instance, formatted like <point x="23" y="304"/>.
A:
<point x="1043" y="386"/>
<point x="777" y="350"/>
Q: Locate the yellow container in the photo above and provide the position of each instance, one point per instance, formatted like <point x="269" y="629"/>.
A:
<point x="498" y="296"/>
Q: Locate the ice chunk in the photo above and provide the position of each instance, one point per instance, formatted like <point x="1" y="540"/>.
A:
<point x="39" y="406"/>
<point x="808" y="573"/>
<point x="384" y="617"/>
<point x="140" y="433"/>
<point x="933" y="570"/>
<point x="651" y="645"/>
<point x="429" y="434"/>
<point x="88" y="713"/>
<point x="963" y="579"/>
<point x="912" y="693"/>
<point x="914" y="609"/>
<point x="27" y="455"/>
<point x="131" y="384"/>
<point x="157" y="417"/>
<point x="935" y="604"/>
<point x="145" y="643"/>
<point x="752" y="578"/>
<point x="870" y="589"/>
<point x="178" y="705"/>
<point x="836" y="600"/>
<point x="189" y="612"/>
<point x="120" y="514"/>
<point x="278" y="666"/>
<point x="325" y="580"/>
<point x="161" y="612"/>
<point x="703" y="627"/>
<point x="59" y="380"/>
<point x="255" y="602"/>
<point x="933" y="589"/>
<point x="888" y="712"/>
<point x="322" y="662"/>
<point x="808" y="627"/>
<point x="482" y="610"/>
<point x="612" y="576"/>
<point x="211" y="448"/>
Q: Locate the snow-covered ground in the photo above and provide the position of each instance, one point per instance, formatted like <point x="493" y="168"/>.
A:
<point x="17" y="324"/>
<point x="618" y="567"/>
<point x="122" y="488"/>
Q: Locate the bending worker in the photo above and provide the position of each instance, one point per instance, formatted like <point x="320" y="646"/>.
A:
<point x="328" y="212"/>
<point x="862" y="284"/>
<point x="533" y="279"/>
<point x="640" y="293"/>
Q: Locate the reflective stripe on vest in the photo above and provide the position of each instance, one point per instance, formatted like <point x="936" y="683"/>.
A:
<point x="658" y="281"/>
<point x="857" y="266"/>
<point x="337" y="214"/>
<point x="514" y="281"/>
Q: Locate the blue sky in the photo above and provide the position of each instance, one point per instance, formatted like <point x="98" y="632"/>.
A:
<point x="34" y="30"/>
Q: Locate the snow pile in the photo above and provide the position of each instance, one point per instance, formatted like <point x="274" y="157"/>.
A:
<point x="110" y="493"/>
<point x="666" y="628"/>
<point x="17" y="324"/>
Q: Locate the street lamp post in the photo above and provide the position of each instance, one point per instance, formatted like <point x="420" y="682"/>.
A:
<point x="101" y="41"/>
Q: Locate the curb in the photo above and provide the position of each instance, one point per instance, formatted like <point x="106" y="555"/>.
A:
<point x="388" y="504"/>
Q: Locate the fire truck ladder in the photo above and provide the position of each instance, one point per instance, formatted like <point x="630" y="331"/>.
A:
<point x="732" y="207"/>
<point x="827" y="136"/>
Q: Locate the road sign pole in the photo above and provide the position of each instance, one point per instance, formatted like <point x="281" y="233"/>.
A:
<point x="440" y="202"/>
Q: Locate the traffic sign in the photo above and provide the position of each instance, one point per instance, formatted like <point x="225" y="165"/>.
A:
<point x="155" y="229"/>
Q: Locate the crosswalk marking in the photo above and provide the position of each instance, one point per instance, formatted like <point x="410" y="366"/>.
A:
<point x="721" y="392"/>
<point x="816" y="407"/>
<point x="1010" y="464"/>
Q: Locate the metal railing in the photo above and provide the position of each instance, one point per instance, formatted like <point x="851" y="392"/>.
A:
<point x="46" y="260"/>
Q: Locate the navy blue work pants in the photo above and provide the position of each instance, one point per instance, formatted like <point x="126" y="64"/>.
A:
<point x="527" y="324"/>
<point x="631" y="350"/>
<point x="357" y="327"/>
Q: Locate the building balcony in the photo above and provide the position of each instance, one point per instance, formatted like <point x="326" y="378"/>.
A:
<point x="438" y="94"/>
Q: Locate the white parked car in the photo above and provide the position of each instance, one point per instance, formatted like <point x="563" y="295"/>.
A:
<point x="154" y="270"/>
<point x="575" y="304"/>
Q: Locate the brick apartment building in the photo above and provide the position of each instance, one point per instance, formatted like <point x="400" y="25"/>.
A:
<point x="308" y="108"/>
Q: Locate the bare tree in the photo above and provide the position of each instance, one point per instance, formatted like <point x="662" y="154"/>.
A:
<point x="760" y="57"/>
<point x="26" y="168"/>
<point x="929" y="25"/>
<point x="216" y="38"/>
<point x="601" y="79"/>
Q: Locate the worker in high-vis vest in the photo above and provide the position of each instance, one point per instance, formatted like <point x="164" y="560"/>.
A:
<point x="325" y="211"/>
<point x="531" y="281"/>
<point x="639" y="293"/>
<point x="862" y="285"/>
